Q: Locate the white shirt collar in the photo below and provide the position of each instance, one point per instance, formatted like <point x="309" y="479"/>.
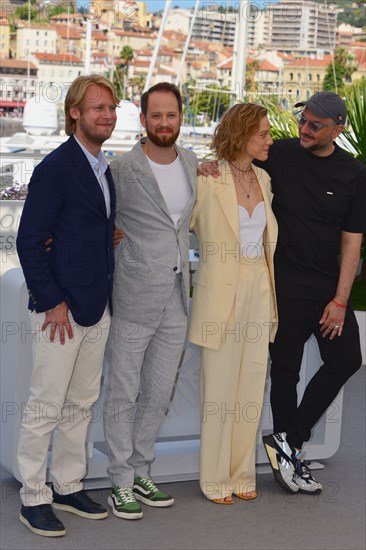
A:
<point x="99" y="163"/>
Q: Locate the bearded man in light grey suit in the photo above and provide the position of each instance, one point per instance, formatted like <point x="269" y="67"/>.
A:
<point x="156" y="189"/>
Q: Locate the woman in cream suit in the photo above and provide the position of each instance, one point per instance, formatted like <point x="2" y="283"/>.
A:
<point x="234" y="312"/>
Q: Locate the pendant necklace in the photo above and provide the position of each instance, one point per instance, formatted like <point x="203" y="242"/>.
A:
<point x="247" y="191"/>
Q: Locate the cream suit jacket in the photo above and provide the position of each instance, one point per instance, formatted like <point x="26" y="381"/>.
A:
<point x="215" y="220"/>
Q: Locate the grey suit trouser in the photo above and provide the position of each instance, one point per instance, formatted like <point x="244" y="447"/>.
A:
<point x="143" y="363"/>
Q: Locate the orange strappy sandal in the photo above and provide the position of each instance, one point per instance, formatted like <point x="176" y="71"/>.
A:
<point x="226" y="500"/>
<point x="247" y="496"/>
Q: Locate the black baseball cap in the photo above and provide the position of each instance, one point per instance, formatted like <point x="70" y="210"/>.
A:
<point x="326" y="105"/>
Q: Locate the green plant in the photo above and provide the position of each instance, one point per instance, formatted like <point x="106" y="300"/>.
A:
<point x="283" y="123"/>
<point x="362" y="276"/>
<point x="344" y="67"/>
<point x="25" y="10"/>
<point x="120" y="77"/>
<point x="211" y="101"/>
<point x="355" y="133"/>
<point x="358" y="295"/>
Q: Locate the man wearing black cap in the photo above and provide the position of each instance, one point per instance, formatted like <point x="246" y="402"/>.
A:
<point x="319" y="202"/>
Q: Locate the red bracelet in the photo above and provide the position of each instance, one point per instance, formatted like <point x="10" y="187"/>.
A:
<point x="339" y="305"/>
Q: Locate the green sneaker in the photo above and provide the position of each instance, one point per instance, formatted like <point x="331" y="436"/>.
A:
<point x="123" y="503"/>
<point x="146" y="491"/>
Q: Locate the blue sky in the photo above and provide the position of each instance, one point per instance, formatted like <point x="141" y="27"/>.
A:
<point x="156" y="5"/>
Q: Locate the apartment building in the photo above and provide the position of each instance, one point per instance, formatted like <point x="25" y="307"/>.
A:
<point x="303" y="77"/>
<point x="57" y="70"/>
<point x="18" y="81"/>
<point x="126" y="12"/>
<point x="263" y="77"/>
<point x="257" y="29"/>
<point x="34" y="39"/>
<point x="209" y="25"/>
<point x="136" y="40"/>
<point x="178" y="19"/>
<point x="69" y="39"/>
<point x="347" y="34"/>
<point x="359" y="51"/>
<point x="4" y="39"/>
<point x="300" y="25"/>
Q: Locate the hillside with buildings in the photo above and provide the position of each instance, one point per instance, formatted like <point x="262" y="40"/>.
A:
<point x="289" y="47"/>
<point x="352" y="13"/>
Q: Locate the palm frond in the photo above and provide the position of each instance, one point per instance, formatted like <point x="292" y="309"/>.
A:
<point x="283" y="123"/>
<point x="355" y="134"/>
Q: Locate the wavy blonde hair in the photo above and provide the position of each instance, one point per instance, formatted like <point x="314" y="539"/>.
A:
<point x="76" y="94"/>
<point x="235" y="129"/>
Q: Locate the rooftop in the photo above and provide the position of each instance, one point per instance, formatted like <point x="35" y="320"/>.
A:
<point x="17" y="64"/>
<point x="57" y="57"/>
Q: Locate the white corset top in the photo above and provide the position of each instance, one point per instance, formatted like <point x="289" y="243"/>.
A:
<point x="251" y="230"/>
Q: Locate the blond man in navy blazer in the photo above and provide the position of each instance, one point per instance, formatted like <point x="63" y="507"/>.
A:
<point x="72" y="198"/>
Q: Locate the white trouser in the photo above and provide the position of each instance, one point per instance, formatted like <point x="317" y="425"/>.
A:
<point x="64" y="385"/>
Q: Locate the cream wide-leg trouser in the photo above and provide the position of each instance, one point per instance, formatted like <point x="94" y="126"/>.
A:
<point x="232" y="387"/>
<point x="64" y="385"/>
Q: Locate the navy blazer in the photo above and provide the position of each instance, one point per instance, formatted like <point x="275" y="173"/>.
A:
<point x="65" y="201"/>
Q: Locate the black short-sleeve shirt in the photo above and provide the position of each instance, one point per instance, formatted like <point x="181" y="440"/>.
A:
<point x="315" y="199"/>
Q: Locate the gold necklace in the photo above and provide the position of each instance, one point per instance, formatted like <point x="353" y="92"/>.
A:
<point x="247" y="191"/>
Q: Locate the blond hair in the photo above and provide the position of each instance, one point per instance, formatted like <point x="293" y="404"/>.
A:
<point x="76" y="95"/>
<point x="235" y="129"/>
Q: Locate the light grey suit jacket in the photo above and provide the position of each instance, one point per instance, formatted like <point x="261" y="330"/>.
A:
<point x="146" y="258"/>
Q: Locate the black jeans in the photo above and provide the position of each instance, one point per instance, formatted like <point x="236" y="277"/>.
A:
<point x="298" y="319"/>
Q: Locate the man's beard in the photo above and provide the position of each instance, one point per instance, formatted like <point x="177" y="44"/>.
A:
<point x="315" y="146"/>
<point x="164" y="141"/>
<point x="308" y="147"/>
<point x="92" y="136"/>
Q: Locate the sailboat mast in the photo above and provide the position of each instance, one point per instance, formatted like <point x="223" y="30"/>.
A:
<point x="28" y="50"/>
<point x="186" y="45"/>
<point x="88" y="43"/>
<point x="240" y="52"/>
<point x="157" y="45"/>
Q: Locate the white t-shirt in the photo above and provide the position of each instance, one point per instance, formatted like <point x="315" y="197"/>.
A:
<point x="175" y="189"/>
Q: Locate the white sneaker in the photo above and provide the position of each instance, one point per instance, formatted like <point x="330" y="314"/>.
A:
<point x="124" y="504"/>
<point x="279" y="455"/>
<point x="304" y="480"/>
